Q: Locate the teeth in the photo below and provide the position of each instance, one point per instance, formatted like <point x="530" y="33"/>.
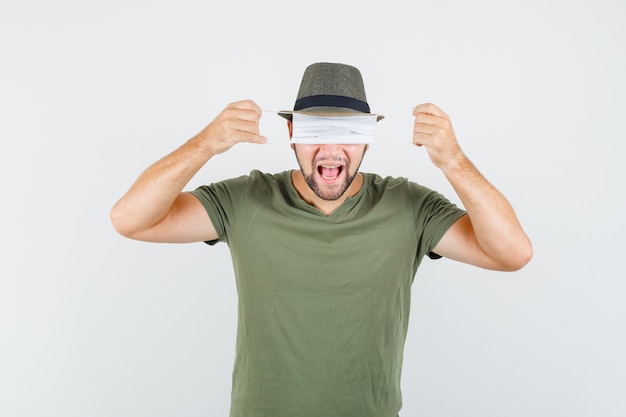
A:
<point x="337" y="167"/>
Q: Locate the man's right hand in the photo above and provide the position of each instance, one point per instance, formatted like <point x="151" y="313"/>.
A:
<point x="238" y="122"/>
<point x="155" y="209"/>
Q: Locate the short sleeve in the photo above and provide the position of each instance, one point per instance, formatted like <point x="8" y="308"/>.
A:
<point x="434" y="215"/>
<point x="222" y="201"/>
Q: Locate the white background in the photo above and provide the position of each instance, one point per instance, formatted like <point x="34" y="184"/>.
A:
<point x="92" y="324"/>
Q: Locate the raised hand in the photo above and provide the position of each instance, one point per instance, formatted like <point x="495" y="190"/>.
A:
<point x="238" y="122"/>
<point x="433" y="130"/>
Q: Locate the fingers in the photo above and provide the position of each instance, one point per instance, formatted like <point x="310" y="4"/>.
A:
<point x="429" y="108"/>
<point x="425" y="129"/>
<point x="240" y="122"/>
<point x="432" y="129"/>
<point x="247" y="109"/>
<point x="430" y="121"/>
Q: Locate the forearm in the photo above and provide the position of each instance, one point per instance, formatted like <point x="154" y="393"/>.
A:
<point x="155" y="194"/>
<point x="496" y="228"/>
<point x="152" y="195"/>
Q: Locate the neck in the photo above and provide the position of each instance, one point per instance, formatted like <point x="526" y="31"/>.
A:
<point x="325" y="206"/>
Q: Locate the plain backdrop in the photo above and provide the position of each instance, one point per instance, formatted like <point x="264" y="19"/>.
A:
<point x="91" y="93"/>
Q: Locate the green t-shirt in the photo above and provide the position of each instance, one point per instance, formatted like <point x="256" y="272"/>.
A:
<point x="323" y="300"/>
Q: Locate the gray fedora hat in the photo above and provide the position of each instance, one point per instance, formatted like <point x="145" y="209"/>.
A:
<point x="330" y="89"/>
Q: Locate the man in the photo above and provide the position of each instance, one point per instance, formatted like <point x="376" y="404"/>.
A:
<point x="324" y="256"/>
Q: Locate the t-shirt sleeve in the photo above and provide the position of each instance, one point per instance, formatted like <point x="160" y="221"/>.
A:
<point x="222" y="201"/>
<point x="434" y="216"/>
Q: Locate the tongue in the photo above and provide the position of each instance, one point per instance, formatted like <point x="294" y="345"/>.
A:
<point x="329" y="172"/>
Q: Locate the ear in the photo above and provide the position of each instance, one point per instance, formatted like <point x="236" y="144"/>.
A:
<point x="290" y="127"/>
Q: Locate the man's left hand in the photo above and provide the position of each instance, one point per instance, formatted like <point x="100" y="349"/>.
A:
<point x="433" y="129"/>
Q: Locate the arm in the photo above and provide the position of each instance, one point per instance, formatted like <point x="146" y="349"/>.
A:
<point x="490" y="236"/>
<point x="155" y="209"/>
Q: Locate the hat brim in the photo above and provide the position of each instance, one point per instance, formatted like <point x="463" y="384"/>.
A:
<point x="327" y="112"/>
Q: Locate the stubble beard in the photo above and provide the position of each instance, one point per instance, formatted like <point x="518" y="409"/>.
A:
<point x="321" y="190"/>
<point x="329" y="194"/>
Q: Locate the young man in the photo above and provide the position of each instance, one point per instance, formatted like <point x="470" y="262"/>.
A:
<point x="324" y="256"/>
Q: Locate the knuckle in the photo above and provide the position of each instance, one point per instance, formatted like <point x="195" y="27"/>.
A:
<point x="245" y="104"/>
<point x="228" y="124"/>
<point x="249" y="105"/>
<point x="228" y="113"/>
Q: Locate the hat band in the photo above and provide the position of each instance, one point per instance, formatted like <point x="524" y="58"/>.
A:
<point x="331" y="101"/>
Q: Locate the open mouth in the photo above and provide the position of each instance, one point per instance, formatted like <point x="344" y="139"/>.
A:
<point x="330" y="172"/>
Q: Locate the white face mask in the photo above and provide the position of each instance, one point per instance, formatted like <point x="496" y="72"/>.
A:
<point x="343" y="130"/>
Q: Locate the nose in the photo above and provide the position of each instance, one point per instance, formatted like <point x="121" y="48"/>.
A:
<point x="329" y="149"/>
